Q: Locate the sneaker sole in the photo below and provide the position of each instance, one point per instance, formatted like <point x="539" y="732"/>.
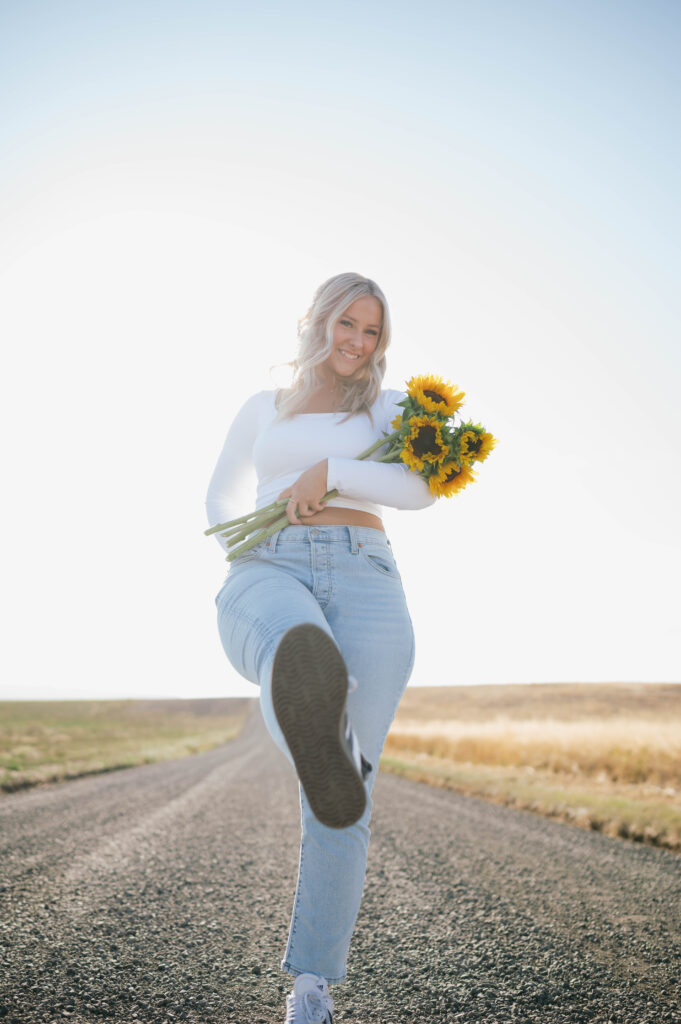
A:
<point x="309" y="691"/>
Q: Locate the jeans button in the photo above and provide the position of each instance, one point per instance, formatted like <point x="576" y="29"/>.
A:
<point x="314" y="532"/>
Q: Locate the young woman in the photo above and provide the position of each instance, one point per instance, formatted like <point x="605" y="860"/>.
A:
<point x="316" y="615"/>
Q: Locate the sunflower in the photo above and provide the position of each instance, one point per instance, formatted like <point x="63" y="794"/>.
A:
<point x="450" y="478"/>
<point x="475" y="444"/>
<point x="423" y="443"/>
<point x="396" y="423"/>
<point x="435" y="395"/>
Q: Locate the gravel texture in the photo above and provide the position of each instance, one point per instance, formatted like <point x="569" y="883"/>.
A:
<point x="163" y="893"/>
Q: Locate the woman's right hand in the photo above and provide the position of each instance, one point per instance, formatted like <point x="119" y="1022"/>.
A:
<point x="306" y="492"/>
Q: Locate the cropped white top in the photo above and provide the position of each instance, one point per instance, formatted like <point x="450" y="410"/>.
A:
<point x="280" y="451"/>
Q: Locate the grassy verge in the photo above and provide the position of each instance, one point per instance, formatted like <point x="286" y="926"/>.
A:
<point x="50" y="741"/>
<point x="629" y="815"/>
<point x="602" y="756"/>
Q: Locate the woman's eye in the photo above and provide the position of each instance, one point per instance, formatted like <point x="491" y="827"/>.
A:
<point x="347" y="323"/>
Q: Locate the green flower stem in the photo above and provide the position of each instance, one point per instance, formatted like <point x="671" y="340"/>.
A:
<point x="235" y="536"/>
<point x="231" y="525"/>
<point x="237" y="532"/>
<point x="261" y="535"/>
<point x="278" y="524"/>
<point x="234" y="532"/>
<point x="244" y="519"/>
<point x="250" y="525"/>
<point x="240" y="533"/>
<point x="378" y="444"/>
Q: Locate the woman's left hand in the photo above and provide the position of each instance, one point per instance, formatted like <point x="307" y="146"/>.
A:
<point x="306" y="493"/>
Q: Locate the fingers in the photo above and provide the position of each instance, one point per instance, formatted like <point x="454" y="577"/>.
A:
<point x="298" y="509"/>
<point x="296" y="512"/>
<point x="291" y="510"/>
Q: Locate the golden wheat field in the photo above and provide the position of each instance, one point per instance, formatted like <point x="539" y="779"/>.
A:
<point x="602" y="755"/>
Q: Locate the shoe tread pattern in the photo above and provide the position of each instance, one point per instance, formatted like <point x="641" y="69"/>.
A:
<point x="309" y="690"/>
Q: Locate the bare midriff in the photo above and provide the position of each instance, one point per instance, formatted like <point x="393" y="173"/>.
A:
<point x="343" y="517"/>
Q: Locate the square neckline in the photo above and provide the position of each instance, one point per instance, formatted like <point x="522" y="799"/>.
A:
<point x="341" y="412"/>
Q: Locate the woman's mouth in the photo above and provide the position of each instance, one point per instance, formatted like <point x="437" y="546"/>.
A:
<point x="348" y="355"/>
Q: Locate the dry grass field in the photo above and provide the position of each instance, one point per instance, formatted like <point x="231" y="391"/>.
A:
<point x="48" y="741"/>
<point x="601" y="755"/>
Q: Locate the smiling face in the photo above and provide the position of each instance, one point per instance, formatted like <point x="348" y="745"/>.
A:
<point x="355" y="337"/>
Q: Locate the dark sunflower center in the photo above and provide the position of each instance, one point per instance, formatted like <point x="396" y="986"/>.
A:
<point x="452" y="475"/>
<point x="474" y="446"/>
<point x="425" y="442"/>
<point x="434" y="396"/>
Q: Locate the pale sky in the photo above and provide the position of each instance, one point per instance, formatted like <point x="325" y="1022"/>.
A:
<point x="175" y="181"/>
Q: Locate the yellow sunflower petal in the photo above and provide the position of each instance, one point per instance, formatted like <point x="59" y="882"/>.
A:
<point x="424" y="443"/>
<point x="411" y="460"/>
<point x="451" y="479"/>
<point x="435" y="395"/>
<point x="475" y="446"/>
<point x="468" y="445"/>
<point x="488" y="443"/>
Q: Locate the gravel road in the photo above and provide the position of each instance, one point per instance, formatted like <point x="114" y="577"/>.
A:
<point x="163" y="893"/>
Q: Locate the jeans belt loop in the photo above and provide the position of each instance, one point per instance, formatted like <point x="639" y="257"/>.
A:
<point x="354" y="545"/>
<point x="272" y="542"/>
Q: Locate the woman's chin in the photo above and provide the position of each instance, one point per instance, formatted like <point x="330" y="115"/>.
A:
<point x="348" y="372"/>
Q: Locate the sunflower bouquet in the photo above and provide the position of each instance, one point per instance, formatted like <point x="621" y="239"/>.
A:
<point x="427" y="440"/>
<point x="424" y="438"/>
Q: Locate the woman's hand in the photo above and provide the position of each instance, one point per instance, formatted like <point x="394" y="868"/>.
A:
<point x="306" y="493"/>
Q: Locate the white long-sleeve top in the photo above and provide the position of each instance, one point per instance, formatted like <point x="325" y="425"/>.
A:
<point x="280" y="451"/>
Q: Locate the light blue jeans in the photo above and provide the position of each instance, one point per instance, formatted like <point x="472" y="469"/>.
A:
<point x="345" y="580"/>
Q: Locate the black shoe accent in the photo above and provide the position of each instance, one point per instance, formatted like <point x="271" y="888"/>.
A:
<point x="309" y="690"/>
<point x="367" y="768"/>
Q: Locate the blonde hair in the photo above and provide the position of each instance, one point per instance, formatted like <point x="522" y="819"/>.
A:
<point x="315" y="342"/>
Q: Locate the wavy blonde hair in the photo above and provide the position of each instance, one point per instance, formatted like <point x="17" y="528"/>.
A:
<point x="315" y="342"/>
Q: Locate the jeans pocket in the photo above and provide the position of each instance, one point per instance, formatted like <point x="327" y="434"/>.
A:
<point x="247" y="556"/>
<point x="381" y="560"/>
<point x="257" y="551"/>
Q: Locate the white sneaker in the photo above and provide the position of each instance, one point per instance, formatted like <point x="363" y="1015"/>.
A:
<point x="309" y="1002"/>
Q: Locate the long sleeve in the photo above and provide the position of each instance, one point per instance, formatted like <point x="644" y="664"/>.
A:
<point x="386" y="483"/>
<point x="234" y="468"/>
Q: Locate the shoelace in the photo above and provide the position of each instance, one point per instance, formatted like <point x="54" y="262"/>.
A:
<point x="314" y="1008"/>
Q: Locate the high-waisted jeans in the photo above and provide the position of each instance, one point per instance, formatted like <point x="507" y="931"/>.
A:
<point x="345" y="580"/>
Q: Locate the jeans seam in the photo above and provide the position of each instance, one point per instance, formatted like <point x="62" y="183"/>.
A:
<point x="286" y="965"/>
<point x="405" y="680"/>
<point x="296" y="899"/>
